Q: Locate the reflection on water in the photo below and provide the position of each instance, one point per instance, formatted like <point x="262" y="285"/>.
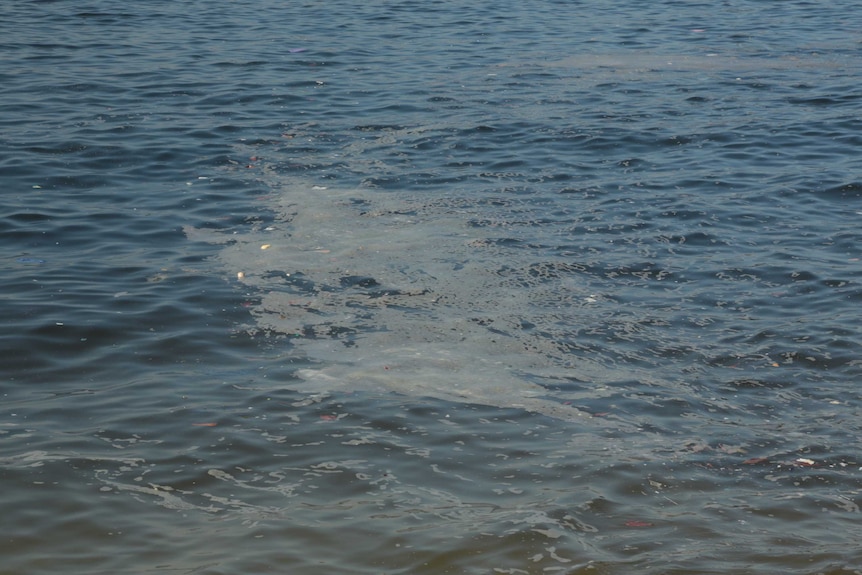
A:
<point x="413" y="298"/>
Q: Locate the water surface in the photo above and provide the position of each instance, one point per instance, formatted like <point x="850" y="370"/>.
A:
<point x="447" y="288"/>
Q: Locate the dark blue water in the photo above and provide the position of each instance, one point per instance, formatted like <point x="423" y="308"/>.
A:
<point x="406" y="287"/>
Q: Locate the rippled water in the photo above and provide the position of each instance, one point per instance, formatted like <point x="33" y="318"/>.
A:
<point x="404" y="287"/>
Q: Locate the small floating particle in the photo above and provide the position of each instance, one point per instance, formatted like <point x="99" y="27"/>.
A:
<point x="239" y="275"/>
<point x="805" y="462"/>
<point x="638" y="523"/>
<point x="31" y="261"/>
<point x="297" y="50"/>
<point x="755" y="460"/>
<point x="205" y="424"/>
<point x="328" y="417"/>
<point x="265" y="246"/>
